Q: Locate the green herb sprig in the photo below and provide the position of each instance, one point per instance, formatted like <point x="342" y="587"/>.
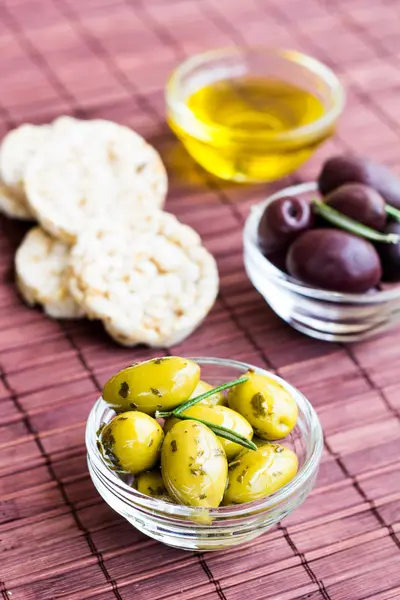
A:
<point x="192" y="401"/>
<point x="343" y="222"/>
<point x="393" y="212"/>
<point x="223" y="432"/>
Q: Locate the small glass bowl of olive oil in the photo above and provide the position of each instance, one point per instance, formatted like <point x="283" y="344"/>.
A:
<point x="253" y="114"/>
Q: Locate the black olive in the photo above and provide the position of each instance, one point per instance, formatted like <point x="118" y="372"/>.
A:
<point x="359" y="202"/>
<point x="335" y="260"/>
<point x="282" y="221"/>
<point x="342" y="169"/>
<point x="390" y="255"/>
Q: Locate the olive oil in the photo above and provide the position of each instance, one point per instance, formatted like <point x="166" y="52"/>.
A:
<point x="243" y="128"/>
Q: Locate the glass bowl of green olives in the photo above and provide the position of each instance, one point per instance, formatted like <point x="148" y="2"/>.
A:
<point x="202" y="453"/>
<point x="294" y="269"/>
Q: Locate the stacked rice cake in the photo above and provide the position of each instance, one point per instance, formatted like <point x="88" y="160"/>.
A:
<point x="104" y="247"/>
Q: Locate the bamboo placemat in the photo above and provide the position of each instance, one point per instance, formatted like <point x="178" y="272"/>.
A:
<point x="58" y="539"/>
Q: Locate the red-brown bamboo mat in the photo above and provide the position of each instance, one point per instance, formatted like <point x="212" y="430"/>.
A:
<point x="58" y="539"/>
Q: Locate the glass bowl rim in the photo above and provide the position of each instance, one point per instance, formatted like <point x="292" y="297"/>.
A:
<point x="290" y="283"/>
<point x="324" y="73"/>
<point x="306" y="471"/>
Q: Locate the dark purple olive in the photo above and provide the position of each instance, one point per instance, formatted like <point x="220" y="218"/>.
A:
<point x="359" y="202"/>
<point x="342" y="169"/>
<point x="282" y="221"/>
<point x="390" y="255"/>
<point x="335" y="260"/>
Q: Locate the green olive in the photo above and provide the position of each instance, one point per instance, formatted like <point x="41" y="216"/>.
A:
<point x="194" y="465"/>
<point x="214" y="400"/>
<point x="132" y="442"/>
<point x="266" y="404"/>
<point x="157" y="384"/>
<point x="258" y="473"/>
<point x="220" y="415"/>
<point x="151" y="484"/>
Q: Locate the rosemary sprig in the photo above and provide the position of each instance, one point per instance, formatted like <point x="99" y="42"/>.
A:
<point x="340" y="220"/>
<point x="223" y="432"/>
<point x="393" y="212"/>
<point x="192" y="401"/>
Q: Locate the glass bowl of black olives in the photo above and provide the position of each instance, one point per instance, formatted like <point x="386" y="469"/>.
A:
<point x="326" y="255"/>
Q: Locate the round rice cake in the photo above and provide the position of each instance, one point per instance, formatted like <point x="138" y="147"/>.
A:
<point x="16" y="150"/>
<point x="41" y="265"/>
<point x="150" y="282"/>
<point x="13" y="205"/>
<point x="99" y="169"/>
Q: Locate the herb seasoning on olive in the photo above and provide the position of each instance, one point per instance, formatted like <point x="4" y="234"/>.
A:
<point x="190" y="464"/>
<point x="194" y="465"/>
<point x="161" y="383"/>
<point x="132" y="442"/>
<point x="254" y="475"/>
<point x="151" y="484"/>
<point x="266" y="405"/>
<point x="219" y="415"/>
